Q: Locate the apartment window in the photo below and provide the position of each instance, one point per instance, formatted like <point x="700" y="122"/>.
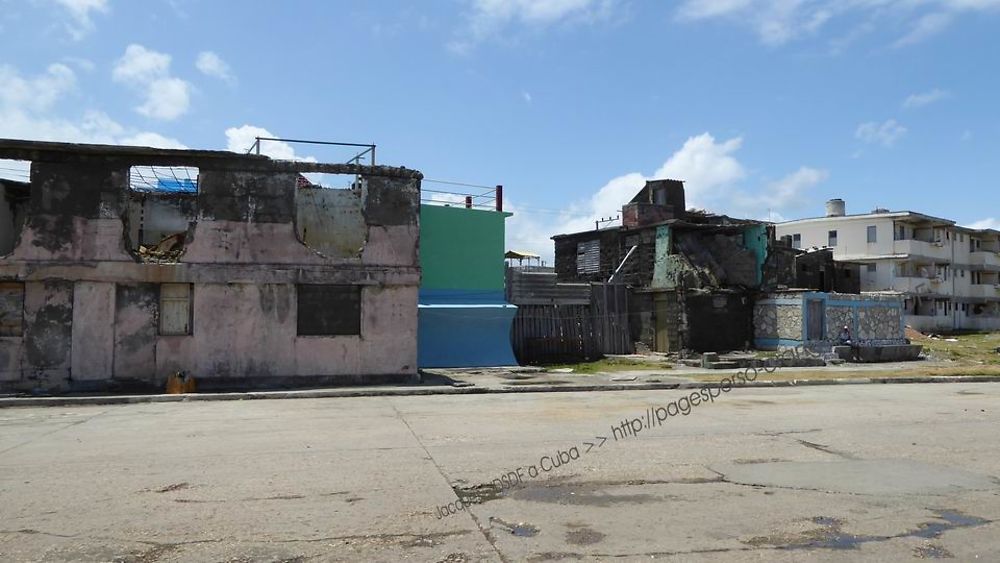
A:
<point x="329" y="310"/>
<point x="872" y="234"/>
<point x="797" y="240"/>
<point x="11" y="308"/>
<point x="900" y="232"/>
<point x="872" y="268"/>
<point x="962" y="273"/>
<point x="831" y="238"/>
<point x="588" y="257"/>
<point x="961" y="237"/>
<point x="175" y="309"/>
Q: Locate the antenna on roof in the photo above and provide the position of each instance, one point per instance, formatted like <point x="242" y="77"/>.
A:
<point x="597" y="223"/>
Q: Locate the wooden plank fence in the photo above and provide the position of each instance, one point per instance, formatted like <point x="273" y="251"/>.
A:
<point x="556" y="333"/>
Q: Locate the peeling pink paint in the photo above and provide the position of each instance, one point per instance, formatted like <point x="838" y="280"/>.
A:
<point x="91" y="307"/>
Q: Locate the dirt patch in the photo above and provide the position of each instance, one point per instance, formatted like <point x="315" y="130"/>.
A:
<point x="584" y="536"/>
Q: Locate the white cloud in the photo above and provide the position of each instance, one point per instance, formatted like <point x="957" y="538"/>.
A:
<point x="779" y="21"/>
<point x="526" y="96"/>
<point x="36" y="93"/>
<point x="80" y="23"/>
<point x="211" y="64"/>
<point x="787" y="193"/>
<point x="26" y="105"/>
<point x="140" y="65"/>
<point x="81" y="63"/>
<point x="697" y="10"/>
<point x="989" y="223"/>
<point x="713" y="179"/>
<point x="167" y="98"/>
<point x="241" y="139"/>
<point x="885" y="133"/>
<point x="914" y="101"/>
<point x="148" y="72"/>
<point x="705" y="166"/>
<point x="775" y="21"/>
<point x="925" y="27"/>
<point x="488" y="18"/>
<point x="149" y="139"/>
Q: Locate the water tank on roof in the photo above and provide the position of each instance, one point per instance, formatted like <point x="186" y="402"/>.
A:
<point x="835" y="208"/>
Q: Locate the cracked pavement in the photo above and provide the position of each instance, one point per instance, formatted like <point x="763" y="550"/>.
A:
<point x="839" y="473"/>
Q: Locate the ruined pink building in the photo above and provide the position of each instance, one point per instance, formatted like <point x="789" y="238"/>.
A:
<point x="243" y="275"/>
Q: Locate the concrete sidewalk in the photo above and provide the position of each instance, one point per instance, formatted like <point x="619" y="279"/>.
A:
<point x="488" y="380"/>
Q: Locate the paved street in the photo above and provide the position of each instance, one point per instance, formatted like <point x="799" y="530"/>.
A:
<point x="832" y="473"/>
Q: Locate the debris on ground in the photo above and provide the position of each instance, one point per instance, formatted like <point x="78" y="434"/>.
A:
<point x="169" y="249"/>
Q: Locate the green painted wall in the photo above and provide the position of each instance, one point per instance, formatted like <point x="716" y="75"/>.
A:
<point x="662" y="266"/>
<point x="755" y="239"/>
<point x="461" y="248"/>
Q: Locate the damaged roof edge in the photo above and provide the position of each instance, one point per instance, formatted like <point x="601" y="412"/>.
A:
<point x="733" y="225"/>
<point x="46" y="151"/>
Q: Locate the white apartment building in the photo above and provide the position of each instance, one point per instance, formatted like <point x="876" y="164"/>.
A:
<point x="949" y="273"/>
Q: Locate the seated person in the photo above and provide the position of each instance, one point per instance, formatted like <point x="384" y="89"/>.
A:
<point x="845" y="336"/>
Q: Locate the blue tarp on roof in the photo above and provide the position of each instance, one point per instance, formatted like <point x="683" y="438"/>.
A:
<point x="176" y="185"/>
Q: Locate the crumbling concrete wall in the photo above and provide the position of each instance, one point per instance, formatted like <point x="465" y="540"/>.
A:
<point x="154" y="216"/>
<point x="720" y="259"/>
<point x="779" y="269"/>
<point x="92" y="310"/>
<point x="717" y="321"/>
<point x="14" y="197"/>
<point x="331" y="221"/>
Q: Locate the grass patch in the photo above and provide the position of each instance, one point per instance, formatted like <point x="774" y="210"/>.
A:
<point x="969" y="349"/>
<point x="611" y="365"/>
<point x="787" y="374"/>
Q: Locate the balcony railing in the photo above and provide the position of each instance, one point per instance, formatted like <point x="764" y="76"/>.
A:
<point x="984" y="290"/>
<point x="935" y="250"/>
<point x="915" y="284"/>
<point x="984" y="258"/>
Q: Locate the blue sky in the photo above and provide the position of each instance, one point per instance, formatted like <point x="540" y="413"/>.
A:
<point x="766" y="108"/>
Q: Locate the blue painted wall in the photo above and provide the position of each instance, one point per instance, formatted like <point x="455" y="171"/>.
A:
<point x="463" y="317"/>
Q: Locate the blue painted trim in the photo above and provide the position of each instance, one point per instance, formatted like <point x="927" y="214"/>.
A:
<point x="466" y="306"/>
<point x="462" y="296"/>
<point x="769" y="342"/>
<point x="862" y="304"/>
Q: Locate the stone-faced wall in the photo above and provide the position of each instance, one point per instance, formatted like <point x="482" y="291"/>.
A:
<point x="92" y="306"/>
<point x="837" y="317"/>
<point x="780" y="318"/>
<point x="777" y="321"/>
<point x="880" y="323"/>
